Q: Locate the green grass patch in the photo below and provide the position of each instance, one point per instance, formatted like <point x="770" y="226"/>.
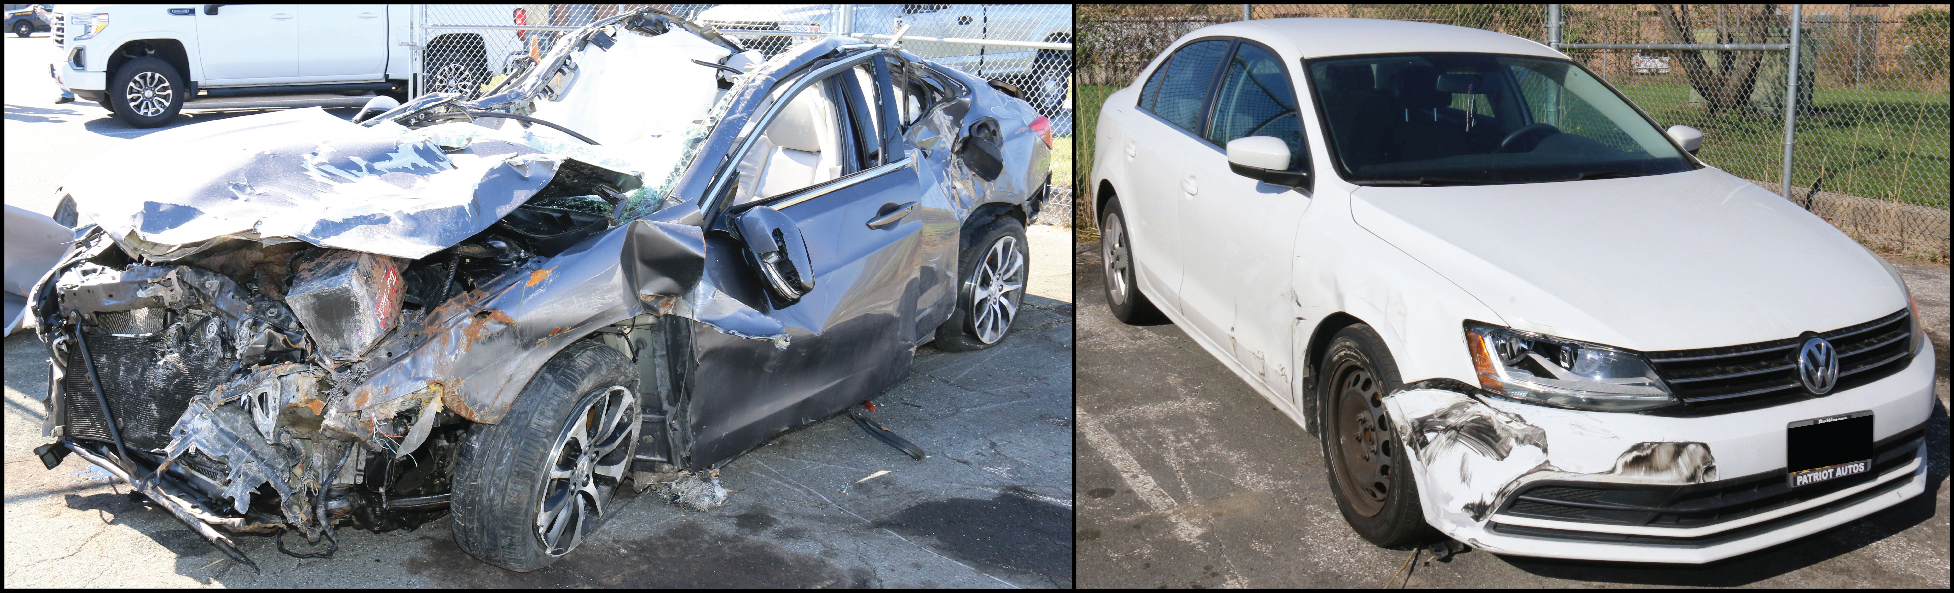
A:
<point x="1880" y="144"/>
<point x="1062" y="160"/>
<point x="1086" y="121"/>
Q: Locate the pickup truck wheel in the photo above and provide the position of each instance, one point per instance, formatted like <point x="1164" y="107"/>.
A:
<point x="1369" y="468"/>
<point x="993" y="272"/>
<point x="1129" y="305"/>
<point x="530" y="488"/>
<point x="1051" y="74"/>
<point x="147" y="92"/>
<point x="23" y="28"/>
<point x="456" y="68"/>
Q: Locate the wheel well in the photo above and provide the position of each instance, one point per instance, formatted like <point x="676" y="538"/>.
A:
<point x="469" y="43"/>
<point x="1319" y="344"/>
<point x="1100" y="196"/>
<point x="984" y="214"/>
<point x="170" y="50"/>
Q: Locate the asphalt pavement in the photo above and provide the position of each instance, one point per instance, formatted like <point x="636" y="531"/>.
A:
<point x="1188" y="478"/>
<point x="990" y="507"/>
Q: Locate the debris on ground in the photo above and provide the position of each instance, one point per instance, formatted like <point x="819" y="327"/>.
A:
<point x="694" y="492"/>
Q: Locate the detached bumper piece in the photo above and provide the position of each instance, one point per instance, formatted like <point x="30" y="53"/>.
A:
<point x="168" y="495"/>
<point x="1697" y="505"/>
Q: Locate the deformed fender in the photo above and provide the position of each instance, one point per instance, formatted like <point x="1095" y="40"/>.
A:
<point x="477" y="351"/>
<point x="1473" y="456"/>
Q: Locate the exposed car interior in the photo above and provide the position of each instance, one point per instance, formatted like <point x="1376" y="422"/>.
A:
<point x="801" y="147"/>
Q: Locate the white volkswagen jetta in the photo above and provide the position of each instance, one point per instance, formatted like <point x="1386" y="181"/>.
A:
<point x="1512" y="307"/>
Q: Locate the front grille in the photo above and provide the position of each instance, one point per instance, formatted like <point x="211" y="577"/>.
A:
<point x="1695" y="505"/>
<point x="1768" y="371"/>
<point x="148" y="380"/>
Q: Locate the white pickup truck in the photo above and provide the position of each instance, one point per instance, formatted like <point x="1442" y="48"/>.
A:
<point x="145" y="62"/>
<point x="1044" y="73"/>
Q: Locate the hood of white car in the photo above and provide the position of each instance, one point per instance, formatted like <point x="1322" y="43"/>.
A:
<point x="1685" y="260"/>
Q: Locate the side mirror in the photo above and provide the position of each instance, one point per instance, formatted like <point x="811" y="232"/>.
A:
<point x="1690" y="138"/>
<point x="776" y="247"/>
<point x="375" y="106"/>
<point x="1265" y="159"/>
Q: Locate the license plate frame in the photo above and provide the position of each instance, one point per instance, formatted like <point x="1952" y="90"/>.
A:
<point x="1820" y="450"/>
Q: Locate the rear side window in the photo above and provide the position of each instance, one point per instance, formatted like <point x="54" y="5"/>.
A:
<point x="1257" y="99"/>
<point x="1183" y="83"/>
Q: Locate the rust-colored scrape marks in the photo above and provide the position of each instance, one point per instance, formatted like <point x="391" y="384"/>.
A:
<point x="452" y="400"/>
<point x="536" y="277"/>
<point x="659" y="304"/>
<point x="478" y="327"/>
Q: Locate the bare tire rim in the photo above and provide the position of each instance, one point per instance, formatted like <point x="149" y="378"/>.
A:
<point x="451" y="77"/>
<point x="589" y="461"/>
<point x="149" y="94"/>
<point x="1114" y="253"/>
<point x="1000" y="276"/>
<point x="1364" y="441"/>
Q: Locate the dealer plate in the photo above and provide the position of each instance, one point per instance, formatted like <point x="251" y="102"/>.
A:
<point x="1830" y="448"/>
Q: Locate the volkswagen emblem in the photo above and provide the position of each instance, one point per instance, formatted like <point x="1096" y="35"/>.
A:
<point x="1818" y="365"/>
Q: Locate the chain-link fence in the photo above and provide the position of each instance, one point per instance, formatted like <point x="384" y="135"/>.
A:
<point x="1869" y="148"/>
<point x="1026" y="45"/>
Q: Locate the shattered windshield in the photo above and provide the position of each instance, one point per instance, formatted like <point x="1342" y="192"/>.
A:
<point x="1468" y="118"/>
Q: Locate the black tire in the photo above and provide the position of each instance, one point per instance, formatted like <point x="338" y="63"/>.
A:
<point x="1359" y="438"/>
<point x="23" y="28"/>
<point x="1051" y="78"/>
<point x="974" y="321"/>
<point x="1123" y="296"/>
<point x="152" y="108"/>
<point x="502" y="476"/>
<point x="456" y="66"/>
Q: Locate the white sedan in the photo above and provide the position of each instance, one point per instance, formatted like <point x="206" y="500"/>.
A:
<point x="1516" y="310"/>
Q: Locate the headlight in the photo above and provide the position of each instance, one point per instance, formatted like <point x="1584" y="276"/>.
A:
<point x="1563" y="373"/>
<point x="88" y="24"/>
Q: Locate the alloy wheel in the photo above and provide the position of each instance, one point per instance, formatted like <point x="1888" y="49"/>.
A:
<point x="149" y="94"/>
<point x="588" y="463"/>
<point x="451" y="77"/>
<point x="1113" y="252"/>
<point x="1001" y="274"/>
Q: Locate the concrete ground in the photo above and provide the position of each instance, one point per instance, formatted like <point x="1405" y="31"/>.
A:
<point x="1188" y="478"/>
<point x="990" y="507"/>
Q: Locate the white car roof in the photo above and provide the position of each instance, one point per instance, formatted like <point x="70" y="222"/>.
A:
<point x="1317" y="37"/>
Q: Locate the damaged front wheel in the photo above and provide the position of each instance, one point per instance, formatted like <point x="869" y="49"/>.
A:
<point x="1370" y="472"/>
<point x="531" y="488"/>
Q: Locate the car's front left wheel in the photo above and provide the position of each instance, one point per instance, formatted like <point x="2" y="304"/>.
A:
<point x="530" y="488"/>
<point x="1370" y="470"/>
<point x="993" y="271"/>
<point x="146" y="92"/>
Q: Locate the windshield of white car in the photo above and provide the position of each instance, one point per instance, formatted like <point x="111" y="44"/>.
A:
<point x="1479" y="119"/>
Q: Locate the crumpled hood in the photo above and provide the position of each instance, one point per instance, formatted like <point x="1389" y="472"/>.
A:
<point x="1686" y="260"/>
<point x="306" y="175"/>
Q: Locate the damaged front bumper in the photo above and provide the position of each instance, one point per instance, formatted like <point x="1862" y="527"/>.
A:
<point x="1512" y="478"/>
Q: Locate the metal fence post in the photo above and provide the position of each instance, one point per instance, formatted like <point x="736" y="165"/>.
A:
<point x="1245" y="14"/>
<point x="1553" y="26"/>
<point x="1791" y="101"/>
<point x="847" y="21"/>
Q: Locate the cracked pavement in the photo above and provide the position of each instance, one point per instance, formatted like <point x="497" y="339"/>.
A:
<point x="990" y="507"/>
<point x="1188" y="478"/>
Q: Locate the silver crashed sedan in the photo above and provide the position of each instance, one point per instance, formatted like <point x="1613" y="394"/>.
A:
<point x="648" y="251"/>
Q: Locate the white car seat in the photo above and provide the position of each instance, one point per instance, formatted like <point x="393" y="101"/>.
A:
<point x="800" y="148"/>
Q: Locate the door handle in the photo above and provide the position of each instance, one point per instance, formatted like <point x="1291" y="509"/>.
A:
<point x="1132" y="150"/>
<point x="369" y="15"/>
<point x="282" y="16"/>
<point x="894" y="213"/>
<point x="1187" y="185"/>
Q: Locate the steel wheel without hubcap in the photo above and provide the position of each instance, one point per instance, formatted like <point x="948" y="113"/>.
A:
<point x="149" y="94"/>
<point x="1113" y="251"/>
<point x="588" y="462"/>
<point x="1364" y="440"/>
<point x="1001" y="274"/>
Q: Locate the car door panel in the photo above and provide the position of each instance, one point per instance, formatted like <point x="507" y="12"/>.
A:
<point x="1242" y="233"/>
<point x="347" y="41"/>
<point x="246" y="43"/>
<point x="850" y="336"/>
<point x="1165" y="135"/>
